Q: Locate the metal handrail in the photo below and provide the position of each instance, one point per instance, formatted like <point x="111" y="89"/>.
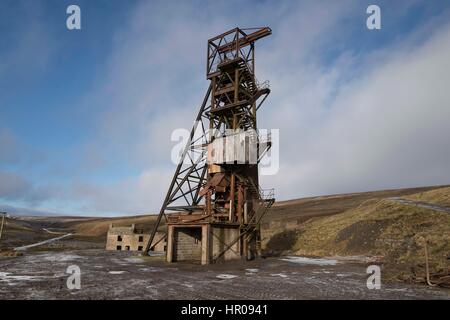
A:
<point x="262" y="85"/>
<point x="267" y="194"/>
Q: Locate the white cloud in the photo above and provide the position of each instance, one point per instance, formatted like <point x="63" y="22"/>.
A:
<point x="155" y="83"/>
<point x="12" y="186"/>
<point x="387" y="128"/>
<point x="139" y="195"/>
<point x="362" y="120"/>
<point x="344" y="127"/>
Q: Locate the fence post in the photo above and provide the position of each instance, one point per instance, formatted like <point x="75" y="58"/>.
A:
<point x="3" y="220"/>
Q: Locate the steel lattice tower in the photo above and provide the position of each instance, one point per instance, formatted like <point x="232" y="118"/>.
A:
<point x="215" y="189"/>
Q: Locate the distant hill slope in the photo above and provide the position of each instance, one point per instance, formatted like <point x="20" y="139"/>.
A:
<point x="286" y="210"/>
<point x="99" y="227"/>
<point x="303" y="209"/>
<point x="25" y="211"/>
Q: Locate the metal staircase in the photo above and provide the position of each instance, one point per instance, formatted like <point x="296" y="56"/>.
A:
<point x="266" y="198"/>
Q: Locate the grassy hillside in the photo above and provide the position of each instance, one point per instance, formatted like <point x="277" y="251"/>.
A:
<point x="378" y="227"/>
<point x="291" y="215"/>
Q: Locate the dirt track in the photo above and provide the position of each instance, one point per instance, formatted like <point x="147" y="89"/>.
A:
<point x="422" y="204"/>
<point x="120" y="275"/>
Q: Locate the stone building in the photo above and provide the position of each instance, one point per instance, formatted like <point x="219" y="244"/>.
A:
<point x="132" y="239"/>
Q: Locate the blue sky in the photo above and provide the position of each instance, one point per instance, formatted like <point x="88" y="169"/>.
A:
<point x="86" y="115"/>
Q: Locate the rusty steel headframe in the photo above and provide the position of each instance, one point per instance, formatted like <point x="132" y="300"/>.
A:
<point x="235" y="46"/>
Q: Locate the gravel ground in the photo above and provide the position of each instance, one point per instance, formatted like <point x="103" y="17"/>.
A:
<point x="120" y="275"/>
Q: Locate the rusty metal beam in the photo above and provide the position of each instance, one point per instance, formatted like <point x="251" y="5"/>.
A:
<point x="245" y="40"/>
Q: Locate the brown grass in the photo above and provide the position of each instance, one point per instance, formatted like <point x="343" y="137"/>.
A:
<point x="439" y="196"/>
<point x="378" y="227"/>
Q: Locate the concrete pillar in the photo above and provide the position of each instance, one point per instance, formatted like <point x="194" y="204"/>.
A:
<point x="206" y="243"/>
<point x="170" y="233"/>
<point x="232" y="192"/>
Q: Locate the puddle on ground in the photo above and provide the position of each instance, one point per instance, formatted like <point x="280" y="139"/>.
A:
<point x="116" y="272"/>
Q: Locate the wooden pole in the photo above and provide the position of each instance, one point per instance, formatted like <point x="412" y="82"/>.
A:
<point x="3" y="220"/>
<point x="427" y="267"/>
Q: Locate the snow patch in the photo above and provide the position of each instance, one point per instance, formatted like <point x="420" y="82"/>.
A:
<point x="60" y="257"/>
<point x="226" y="276"/>
<point x="150" y="269"/>
<point x="9" y="279"/>
<point x="282" y="275"/>
<point x="310" y="261"/>
<point x="116" y="272"/>
<point x="133" y="260"/>
<point x="156" y="254"/>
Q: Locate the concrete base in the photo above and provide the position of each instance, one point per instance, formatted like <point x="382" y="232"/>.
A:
<point x="202" y="242"/>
